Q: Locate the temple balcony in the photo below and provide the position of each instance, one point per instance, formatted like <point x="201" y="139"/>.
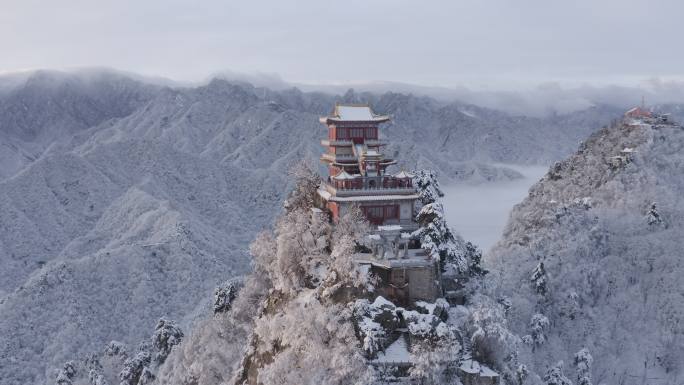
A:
<point x="336" y="142"/>
<point x="359" y="186"/>
<point x="335" y="157"/>
<point x="350" y="142"/>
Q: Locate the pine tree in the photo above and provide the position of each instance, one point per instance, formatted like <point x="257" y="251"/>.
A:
<point x="434" y="360"/>
<point x="65" y="376"/>
<point x="436" y="237"/>
<point x="134" y="367"/>
<point x="539" y="279"/>
<point x="166" y="335"/>
<point x="583" y="361"/>
<point x="224" y="296"/>
<point x="538" y="325"/>
<point x="521" y="373"/>
<point x="473" y="255"/>
<point x="492" y="341"/>
<point x="653" y="217"/>
<point x="427" y="185"/>
<point x="554" y="376"/>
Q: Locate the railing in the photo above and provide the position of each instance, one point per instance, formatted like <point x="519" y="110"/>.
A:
<point x="336" y="142"/>
<point x="356" y="191"/>
<point x="338" y="156"/>
<point x="349" y="142"/>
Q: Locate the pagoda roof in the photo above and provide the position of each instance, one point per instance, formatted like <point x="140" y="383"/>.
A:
<point x="403" y="174"/>
<point x="354" y="113"/>
<point x="343" y="175"/>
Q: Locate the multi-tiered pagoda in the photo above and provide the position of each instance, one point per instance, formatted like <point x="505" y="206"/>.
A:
<point x="358" y="170"/>
<point x="358" y="175"/>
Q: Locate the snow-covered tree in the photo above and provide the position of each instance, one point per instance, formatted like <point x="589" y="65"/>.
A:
<point x="473" y="255"/>
<point x="453" y="253"/>
<point x="539" y="279"/>
<point x="583" y="361"/>
<point x="538" y="325"/>
<point x="438" y="239"/>
<point x="427" y="185"/>
<point x="349" y="233"/>
<point x="256" y="285"/>
<point x="571" y="305"/>
<point x="555" y="376"/>
<point x="115" y="349"/>
<point x="65" y="376"/>
<point x="373" y="322"/>
<point x="309" y="342"/>
<point x="166" y="335"/>
<point x="436" y="361"/>
<point x="521" y="373"/>
<point x="352" y="224"/>
<point x="492" y="341"/>
<point x="95" y="370"/>
<point x="224" y="295"/>
<point x="653" y="217"/>
<point x="134" y="367"/>
<point x="307" y="182"/>
<point x="146" y="377"/>
<point x="96" y="378"/>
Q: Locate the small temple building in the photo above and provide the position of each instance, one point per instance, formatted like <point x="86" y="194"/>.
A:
<point x="638" y="112"/>
<point x="641" y="115"/>
<point x="358" y="175"/>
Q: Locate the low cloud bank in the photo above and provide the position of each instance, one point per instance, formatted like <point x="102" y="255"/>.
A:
<point x="539" y="100"/>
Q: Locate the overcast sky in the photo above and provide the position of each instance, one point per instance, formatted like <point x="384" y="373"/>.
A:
<point x="476" y="43"/>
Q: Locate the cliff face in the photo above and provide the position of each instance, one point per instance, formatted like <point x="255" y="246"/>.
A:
<point x="607" y="224"/>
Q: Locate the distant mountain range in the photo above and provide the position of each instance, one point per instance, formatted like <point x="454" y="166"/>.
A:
<point x="122" y="201"/>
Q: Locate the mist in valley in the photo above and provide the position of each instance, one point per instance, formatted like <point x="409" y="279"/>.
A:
<point x="479" y="212"/>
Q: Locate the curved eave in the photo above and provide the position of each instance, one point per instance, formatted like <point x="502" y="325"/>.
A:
<point x="332" y="119"/>
<point x="388" y="162"/>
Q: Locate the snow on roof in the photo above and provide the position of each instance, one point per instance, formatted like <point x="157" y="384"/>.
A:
<point x="403" y="174"/>
<point x="397" y="352"/>
<point x="380" y="301"/>
<point x="485" y="371"/>
<point x="627" y="150"/>
<point x="324" y="194"/>
<point x="355" y="113"/>
<point x="352" y="112"/>
<point x="343" y="175"/>
<point x="474" y="367"/>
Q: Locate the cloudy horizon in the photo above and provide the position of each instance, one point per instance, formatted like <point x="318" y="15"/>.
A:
<point x="450" y="44"/>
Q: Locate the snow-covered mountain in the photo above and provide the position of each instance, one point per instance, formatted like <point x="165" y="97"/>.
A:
<point x="39" y="109"/>
<point x="596" y="248"/>
<point x="122" y="201"/>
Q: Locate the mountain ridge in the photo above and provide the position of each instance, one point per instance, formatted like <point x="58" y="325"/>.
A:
<point x="209" y="162"/>
<point x="595" y="248"/>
